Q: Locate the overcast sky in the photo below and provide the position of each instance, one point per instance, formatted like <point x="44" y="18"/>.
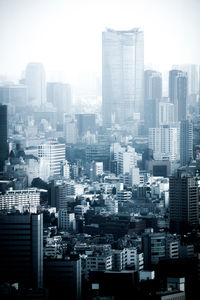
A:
<point x="66" y="34"/>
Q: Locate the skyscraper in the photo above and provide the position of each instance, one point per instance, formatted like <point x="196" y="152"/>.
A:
<point x="122" y="75"/>
<point x="152" y="85"/>
<point x="53" y="154"/>
<point x="183" y="202"/>
<point x="70" y="129"/>
<point x="186" y="142"/>
<point x="178" y="93"/>
<point x="21" y="249"/>
<point x="164" y="141"/>
<point x="35" y="81"/>
<point x="193" y="76"/>
<point x="3" y="135"/>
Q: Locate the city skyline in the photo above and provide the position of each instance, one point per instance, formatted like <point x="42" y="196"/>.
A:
<point x="99" y="173"/>
<point x="58" y="34"/>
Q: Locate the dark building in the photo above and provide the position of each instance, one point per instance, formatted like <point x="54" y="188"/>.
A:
<point x="3" y="135"/>
<point x="62" y="277"/>
<point x="98" y="153"/>
<point x="119" y="285"/>
<point x="86" y="122"/>
<point x="178" y="86"/>
<point x="152" y="85"/>
<point x="21" y="249"/>
<point x="158" y="167"/>
<point x="183" y="202"/>
<point x="186" y="142"/>
<point x="153" y="246"/>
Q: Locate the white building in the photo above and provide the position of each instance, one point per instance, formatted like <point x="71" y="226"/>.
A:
<point x="134" y="176"/>
<point x="98" y="262"/>
<point x="70" y="129"/>
<point x="96" y="170"/>
<point x="53" y="155"/>
<point x="164" y="141"/>
<point x="166" y="113"/>
<point x="66" y="220"/>
<point x="127" y="160"/>
<point x="20" y="199"/>
<point x="127" y="257"/>
<point x="65" y="169"/>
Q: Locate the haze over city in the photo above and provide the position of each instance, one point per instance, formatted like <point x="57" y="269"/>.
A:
<point x="66" y="35"/>
<point x="99" y="150"/>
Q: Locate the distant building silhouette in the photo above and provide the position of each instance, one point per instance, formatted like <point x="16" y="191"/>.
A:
<point x="35" y="81"/>
<point x="186" y="142"/>
<point x="15" y="94"/>
<point x="86" y="122"/>
<point x="59" y="94"/>
<point x="178" y="85"/>
<point x="152" y="85"/>
<point x="122" y="75"/>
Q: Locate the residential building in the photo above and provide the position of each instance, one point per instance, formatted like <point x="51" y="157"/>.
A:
<point x="22" y="200"/>
<point x="164" y="141"/>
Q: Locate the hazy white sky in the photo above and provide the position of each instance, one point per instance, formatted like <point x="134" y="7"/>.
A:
<point x="66" y="34"/>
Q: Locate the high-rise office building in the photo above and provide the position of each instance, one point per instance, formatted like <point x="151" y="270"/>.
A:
<point x="183" y="202"/>
<point x="152" y="85"/>
<point x="3" y="135"/>
<point x="122" y="75"/>
<point x="21" y="249"/>
<point x="178" y="86"/>
<point x="70" y="129"/>
<point x="35" y="81"/>
<point x="53" y="153"/>
<point x="154" y="248"/>
<point x="186" y="142"/>
<point x="127" y="160"/>
<point x="164" y="141"/>
<point x="193" y="76"/>
<point x="151" y="113"/>
<point x="63" y="278"/>
<point x="165" y="112"/>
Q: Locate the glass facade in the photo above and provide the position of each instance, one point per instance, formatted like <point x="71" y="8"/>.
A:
<point x="122" y="75"/>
